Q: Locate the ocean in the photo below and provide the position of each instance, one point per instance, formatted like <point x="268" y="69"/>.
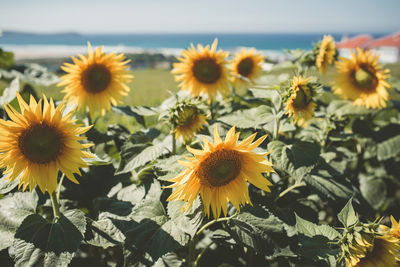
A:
<point x="25" y="44"/>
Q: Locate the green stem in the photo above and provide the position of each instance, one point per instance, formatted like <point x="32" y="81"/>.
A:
<point x="56" y="205"/>
<point x="59" y="187"/>
<point x="196" y="262"/>
<point x="174" y="143"/>
<point x="296" y="185"/>
<point x="276" y="128"/>
<point x="212" y="109"/>
<point x="193" y="242"/>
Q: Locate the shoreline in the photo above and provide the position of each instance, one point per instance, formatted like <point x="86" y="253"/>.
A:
<point x="30" y="52"/>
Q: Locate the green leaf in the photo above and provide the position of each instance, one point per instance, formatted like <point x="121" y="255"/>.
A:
<point x="256" y="228"/>
<point x="134" y="155"/>
<point x="341" y="108"/>
<point x="271" y="94"/>
<point x="10" y="92"/>
<point x="190" y="221"/>
<point x="138" y="112"/>
<point x="103" y="233"/>
<point x="347" y="216"/>
<point x="297" y="159"/>
<point x="38" y="242"/>
<point x="14" y="208"/>
<point x="374" y="190"/>
<point x="168" y="167"/>
<point x="389" y="148"/>
<point x="249" y="118"/>
<point x="329" y="184"/>
<point x="136" y="193"/>
<point x="152" y="232"/>
<point x="6" y="185"/>
<point x="314" y="239"/>
<point x="310" y="229"/>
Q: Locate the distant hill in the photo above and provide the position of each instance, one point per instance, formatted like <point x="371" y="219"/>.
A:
<point x="28" y="34"/>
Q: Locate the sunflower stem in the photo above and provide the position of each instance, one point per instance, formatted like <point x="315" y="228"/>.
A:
<point x="192" y="245"/>
<point x="196" y="262"/>
<point x="296" y="185"/>
<point x="56" y="205"/>
<point x="276" y="128"/>
<point x="174" y="143"/>
<point x="212" y="109"/>
<point x="59" y="187"/>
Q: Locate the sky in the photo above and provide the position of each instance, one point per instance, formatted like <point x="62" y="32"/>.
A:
<point x="200" y="16"/>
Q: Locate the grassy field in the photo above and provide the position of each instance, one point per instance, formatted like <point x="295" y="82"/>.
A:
<point x="149" y="88"/>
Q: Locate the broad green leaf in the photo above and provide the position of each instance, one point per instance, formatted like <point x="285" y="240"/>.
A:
<point x="6" y="185"/>
<point x="374" y="190"/>
<point x="10" y="92"/>
<point x="256" y="228"/>
<point x="118" y="208"/>
<point x="310" y="229"/>
<point x="347" y="216"/>
<point x="138" y="112"/>
<point x="190" y="221"/>
<point x="168" y="260"/>
<point x="136" y="193"/>
<point x="38" y="242"/>
<point x="103" y="233"/>
<point x="389" y="148"/>
<point x="169" y="167"/>
<point x="329" y="184"/>
<point x="297" y="159"/>
<point x="152" y="232"/>
<point x="134" y="155"/>
<point x="14" y="208"/>
<point x="342" y="108"/>
<point x="249" y="118"/>
<point x="314" y="239"/>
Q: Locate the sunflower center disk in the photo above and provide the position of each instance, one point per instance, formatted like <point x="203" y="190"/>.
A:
<point x="186" y="116"/>
<point x="206" y="70"/>
<point x="301" y="99"/>
<point x="245" y="67"/>
<point x="40" y="143"/>
<point x="96" y="78"/>
<point x="364" y="78"/>
<point x="220" y="167"/>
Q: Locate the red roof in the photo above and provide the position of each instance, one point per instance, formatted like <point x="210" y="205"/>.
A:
<point x="356" y="41"/>
<point x="390" y="40"/>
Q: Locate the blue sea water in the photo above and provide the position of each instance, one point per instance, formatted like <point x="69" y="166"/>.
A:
<point x="267" y="41"/>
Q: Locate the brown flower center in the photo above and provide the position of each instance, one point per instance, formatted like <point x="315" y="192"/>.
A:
<point x="186" y="116"/>
<point x="96" y="78"/>
<point x="206" y="70"/>
<point x="245" y="67"/>
<point x="41" y="143"/>
<point x="220" y="168"/>
<point x="301" y="99"/>
<point x="365" y="78"/>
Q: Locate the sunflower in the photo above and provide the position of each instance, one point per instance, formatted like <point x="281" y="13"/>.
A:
<point x="326" y="54"/>
<point x="97" y="80"/>
<point x="220" y="173"/>
<point x="300" y="103"/>
<point x="362" y="80"/>
<point x="395" y="230"/>
<point x="38" y="142"/>
<point x="188" y="121"/>
<point x="203" y="71"/>
<point x="245" y="68"/>
<point x="383" y="250"/>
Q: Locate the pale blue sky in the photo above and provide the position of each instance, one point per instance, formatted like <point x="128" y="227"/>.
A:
<point x="179" y="16"/>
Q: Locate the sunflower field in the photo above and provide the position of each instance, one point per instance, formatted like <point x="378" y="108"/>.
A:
<point x="294" y="166"/>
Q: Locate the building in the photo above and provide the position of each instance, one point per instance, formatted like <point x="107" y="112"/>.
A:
<point x="388" y="47"/>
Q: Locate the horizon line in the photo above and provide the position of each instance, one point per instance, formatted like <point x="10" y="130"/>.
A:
<point x="189" y="33"/>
